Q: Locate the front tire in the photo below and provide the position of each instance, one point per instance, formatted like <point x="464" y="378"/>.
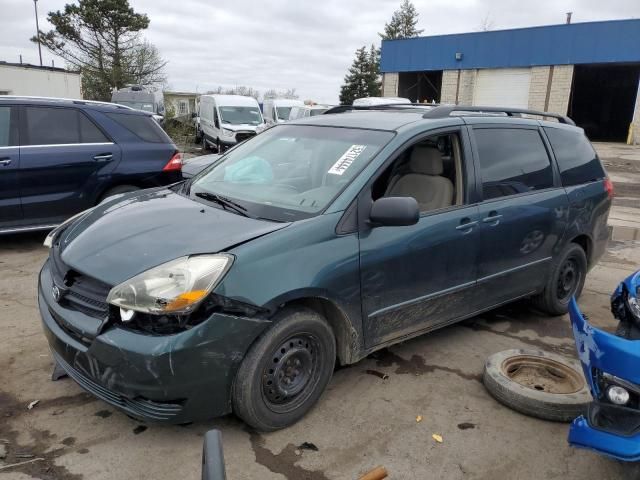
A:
<point x="566" y="280"/>
<point x="285" y="371"/>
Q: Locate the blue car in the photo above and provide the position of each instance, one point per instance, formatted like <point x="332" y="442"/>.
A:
<point x="59" y="157"/>
<point x="610" y="362"/>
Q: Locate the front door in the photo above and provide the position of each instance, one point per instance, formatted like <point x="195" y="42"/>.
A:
<point x="415" y="278"/>
<point x="63" y="159"/>
<point x="523" y="212"/>
<point x="10" y="209"/>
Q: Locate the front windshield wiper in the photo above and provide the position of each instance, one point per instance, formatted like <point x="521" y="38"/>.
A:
<point x="224" y="202"/>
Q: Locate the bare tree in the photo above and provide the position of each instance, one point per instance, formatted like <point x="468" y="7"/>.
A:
<point x="487" y="23"/>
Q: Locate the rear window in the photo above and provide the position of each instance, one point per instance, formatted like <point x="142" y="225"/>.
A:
<point x="142" y="126"/>
<point x="577" y="160"/>
<point x="512" y="161"/>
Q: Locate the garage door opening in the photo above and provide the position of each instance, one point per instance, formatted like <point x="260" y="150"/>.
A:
<point x="420" y="87"/>
<point x="603" y="99"/>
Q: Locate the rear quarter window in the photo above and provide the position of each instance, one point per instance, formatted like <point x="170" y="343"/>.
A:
<point x="577" y="160"/>
<point x="142" y="126"/>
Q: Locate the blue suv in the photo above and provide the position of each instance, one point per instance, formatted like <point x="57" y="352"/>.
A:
<point x="59" y="157"/>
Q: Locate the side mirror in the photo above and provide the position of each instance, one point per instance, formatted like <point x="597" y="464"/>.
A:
<point x="395" y="211"/>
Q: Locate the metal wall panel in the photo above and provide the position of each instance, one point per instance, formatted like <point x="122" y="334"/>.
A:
<point x="615" y="41"/>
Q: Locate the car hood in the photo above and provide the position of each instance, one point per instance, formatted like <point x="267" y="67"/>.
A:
<point x="133" y="233"/>
<point x="194" y="166"/>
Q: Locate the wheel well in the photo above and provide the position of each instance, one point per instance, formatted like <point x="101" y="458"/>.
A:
<point x="585" y="242"/>
<point x="347" y="344"/>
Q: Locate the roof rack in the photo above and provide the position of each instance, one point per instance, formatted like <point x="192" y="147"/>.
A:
<point x="441" y="111"/>
<point x="65" y="100"/>
<point x="412" y="107"/>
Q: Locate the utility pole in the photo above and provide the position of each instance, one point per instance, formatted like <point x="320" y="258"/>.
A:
<point x="35" y="7"/>
<point x="569" y="17"/>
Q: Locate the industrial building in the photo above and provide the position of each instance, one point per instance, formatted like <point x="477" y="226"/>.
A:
<point x="589" y="71"/>
<point x="39" y="81"/>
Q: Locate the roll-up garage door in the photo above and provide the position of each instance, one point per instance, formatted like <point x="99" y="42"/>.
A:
<point x="504" y="87"/>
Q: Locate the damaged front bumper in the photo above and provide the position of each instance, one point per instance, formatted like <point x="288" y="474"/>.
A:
<point x="176" y="378"/>
<point x="607" y="360"/>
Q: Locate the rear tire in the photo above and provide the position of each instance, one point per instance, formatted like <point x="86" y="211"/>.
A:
<point x="117" y="191"/>
<point x="205" y="144"/>
<point x="285" y="372"/>
<point x="565" y="281"/>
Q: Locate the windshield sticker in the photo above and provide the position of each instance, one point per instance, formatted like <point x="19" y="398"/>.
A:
<point x="347" y="159"/>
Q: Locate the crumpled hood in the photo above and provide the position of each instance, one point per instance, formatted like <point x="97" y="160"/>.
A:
<point x="128" y="235"/>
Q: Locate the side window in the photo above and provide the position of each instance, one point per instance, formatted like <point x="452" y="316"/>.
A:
<point x="577" y="160"/>
<point x="5" y="126"/>
<point x="512" y="161"/>
<point x="89" y="133"/>
<point x="52" y="126"/>
<point x="429" y="171"/>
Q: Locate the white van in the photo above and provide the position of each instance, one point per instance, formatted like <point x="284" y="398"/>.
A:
<point x="226" y="120"/>
<point x="277" y="110"/>
<point x="372" y="101"/>
<point x="307" y="111"/>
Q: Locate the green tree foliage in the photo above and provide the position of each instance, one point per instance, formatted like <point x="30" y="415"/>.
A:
<point x="403" y="23"/>
<point x="362" y="80"/>
<point x="102" y="38"/>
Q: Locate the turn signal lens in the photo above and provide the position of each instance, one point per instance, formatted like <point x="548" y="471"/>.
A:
<point x="608" y="187"/>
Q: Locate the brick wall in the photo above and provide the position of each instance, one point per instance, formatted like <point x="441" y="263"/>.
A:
<point x="390" y="84"/>
<point x="467" y="86"/>
<point x="560" y="89"/>
<point x="449" y="86"/>
<point x="538" y="87"/>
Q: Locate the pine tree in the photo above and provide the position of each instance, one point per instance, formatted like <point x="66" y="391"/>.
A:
<point x="403" y="23"/>
<point x="356" y="82"/>
<point x="374" y="85"/>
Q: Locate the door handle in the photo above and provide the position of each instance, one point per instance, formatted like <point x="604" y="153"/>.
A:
<point x="493" y="218"/>
<point x="4" y="161"/>
<point x="467" y="226"/>
<point x="103" y="157"/>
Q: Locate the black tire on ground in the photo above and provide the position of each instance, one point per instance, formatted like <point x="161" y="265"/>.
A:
<point x="285" y="371"/>
<point x="205" y="144"/>
<point x="117" y="191"/>
<point x="566" y="280"/>
<point x="218" y="146"/>
<point x="504" y="370"/>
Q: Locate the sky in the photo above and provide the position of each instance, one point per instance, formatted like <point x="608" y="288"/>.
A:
<point x="282" y="44"/>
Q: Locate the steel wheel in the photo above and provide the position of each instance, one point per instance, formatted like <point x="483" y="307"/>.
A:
<point x="568" y="279"/>
<point x="293" y="373"/>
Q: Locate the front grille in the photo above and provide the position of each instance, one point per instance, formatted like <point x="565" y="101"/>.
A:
<point x="79" y="292"/>
<point x="140" y="407"/>
<point x="242" y="136"/>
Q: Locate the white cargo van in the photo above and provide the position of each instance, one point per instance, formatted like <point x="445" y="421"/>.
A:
<point x="226" y="120"/>
<point x="307" y="111"/>
<point x="372" y="101"/>
<point x="277" y="110"/>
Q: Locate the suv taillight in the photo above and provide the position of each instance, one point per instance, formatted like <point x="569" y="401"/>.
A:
<point x="608" y="187"/>
<point x="175" y="164"/>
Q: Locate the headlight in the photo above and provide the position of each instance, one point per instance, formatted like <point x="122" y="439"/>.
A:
<point x="634" y="308"/>
<point x="227" y="133"/>
<point x="175" y="287"/>
<point x="48" y="241"/>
